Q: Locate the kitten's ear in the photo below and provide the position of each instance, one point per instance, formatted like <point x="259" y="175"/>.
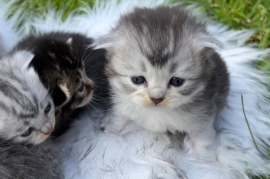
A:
<point x="105" y="41"/>
<point x="207" y="52"/>
<point x="22" y="59"/>
<point x="59" y="97"/>
<point x="69" y="41"/>
<point x="210" y="57"/>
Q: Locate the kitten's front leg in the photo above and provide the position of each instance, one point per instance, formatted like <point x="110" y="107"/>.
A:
<point x="203" y="142"/>
<point x="113" y="123"/>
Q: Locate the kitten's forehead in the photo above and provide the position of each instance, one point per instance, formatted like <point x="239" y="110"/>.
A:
<point x="16" y="80"/>
<point x="62" y="53"/>
<point x="162" y="33"/>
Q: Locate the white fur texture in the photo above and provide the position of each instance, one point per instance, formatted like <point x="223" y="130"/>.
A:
<point x="87" y="153"/>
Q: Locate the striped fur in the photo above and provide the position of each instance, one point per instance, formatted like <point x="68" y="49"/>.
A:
<point x="23" y="101"/>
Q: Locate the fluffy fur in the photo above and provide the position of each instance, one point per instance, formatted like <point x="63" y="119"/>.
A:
<point x="19" y="161"/>
<point x="89" y="153"/>
<point x="27" y="110"/>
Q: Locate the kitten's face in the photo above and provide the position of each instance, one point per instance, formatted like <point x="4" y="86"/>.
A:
<point x="160" y="58"/>
<point x="66" y="74"/>
<point x="26" y="108"/>
<point x="78" y="88"/>
<point x="169" y="85"/>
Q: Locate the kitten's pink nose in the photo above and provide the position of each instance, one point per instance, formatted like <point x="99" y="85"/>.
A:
<point x="157" y="100"/>
<point x="47" y="128"/>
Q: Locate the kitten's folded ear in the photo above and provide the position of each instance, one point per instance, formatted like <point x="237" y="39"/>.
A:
<point x="211" y="58"/>
<point x="207" y="52"/>
<point x="22" y="59"/>
<point x="69" y="42"/>
<point x="105" y="41"/>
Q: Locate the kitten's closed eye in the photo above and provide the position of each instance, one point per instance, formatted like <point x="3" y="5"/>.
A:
<point x="48" y="108"/>
<point x="27" y="133"/>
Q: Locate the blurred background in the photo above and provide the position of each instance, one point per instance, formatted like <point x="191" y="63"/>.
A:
<point x="237" y="14"/>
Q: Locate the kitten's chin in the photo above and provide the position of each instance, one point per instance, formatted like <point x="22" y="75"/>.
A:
<point x="41" y="138"/>
<point x="154" y="106"/>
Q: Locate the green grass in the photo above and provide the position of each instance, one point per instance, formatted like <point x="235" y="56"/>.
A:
<point x="237" y="14"/>
<point x="240" y="14"/>
<point x="37" y="7"/>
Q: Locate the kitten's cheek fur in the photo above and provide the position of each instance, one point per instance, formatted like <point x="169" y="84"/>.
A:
<point x="143" y="99"/>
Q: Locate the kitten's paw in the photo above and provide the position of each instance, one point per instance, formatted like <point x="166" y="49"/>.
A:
<point x="203" y="147"/>
<point x="104" y="122"/>
<point x="111" y="129"/>
<point x="112" y="124"/>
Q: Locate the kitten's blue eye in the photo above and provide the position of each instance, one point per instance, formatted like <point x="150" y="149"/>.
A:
<point x="27" y="133"/>
<point x="176" y="81"/>
<point x="48" y="108"/>
<point x="138" y="79"/>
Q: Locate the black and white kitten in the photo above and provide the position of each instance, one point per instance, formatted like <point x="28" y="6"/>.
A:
<point x="165" y="74"/>
<point x="60" y="60"/>
<point x="27" y="112"/>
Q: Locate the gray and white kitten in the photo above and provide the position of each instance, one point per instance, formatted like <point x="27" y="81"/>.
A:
<point x="165" y="74"/>
<point x="27" y="113"/>
<point x="27" y="118"/>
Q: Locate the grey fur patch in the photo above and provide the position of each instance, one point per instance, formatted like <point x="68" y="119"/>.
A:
<point x="143" y="67"/>
<point x="188" y="90"/>
<point x="19" y="161"/>
<point x="4" y="107"/>
<point x="173" y="67"/>
<point x="10" y="91"/>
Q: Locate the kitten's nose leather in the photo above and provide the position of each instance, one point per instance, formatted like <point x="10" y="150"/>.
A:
<point x="90" y="84"/>
<point x="157" y="100"/>
<point x="47" y="128"/>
